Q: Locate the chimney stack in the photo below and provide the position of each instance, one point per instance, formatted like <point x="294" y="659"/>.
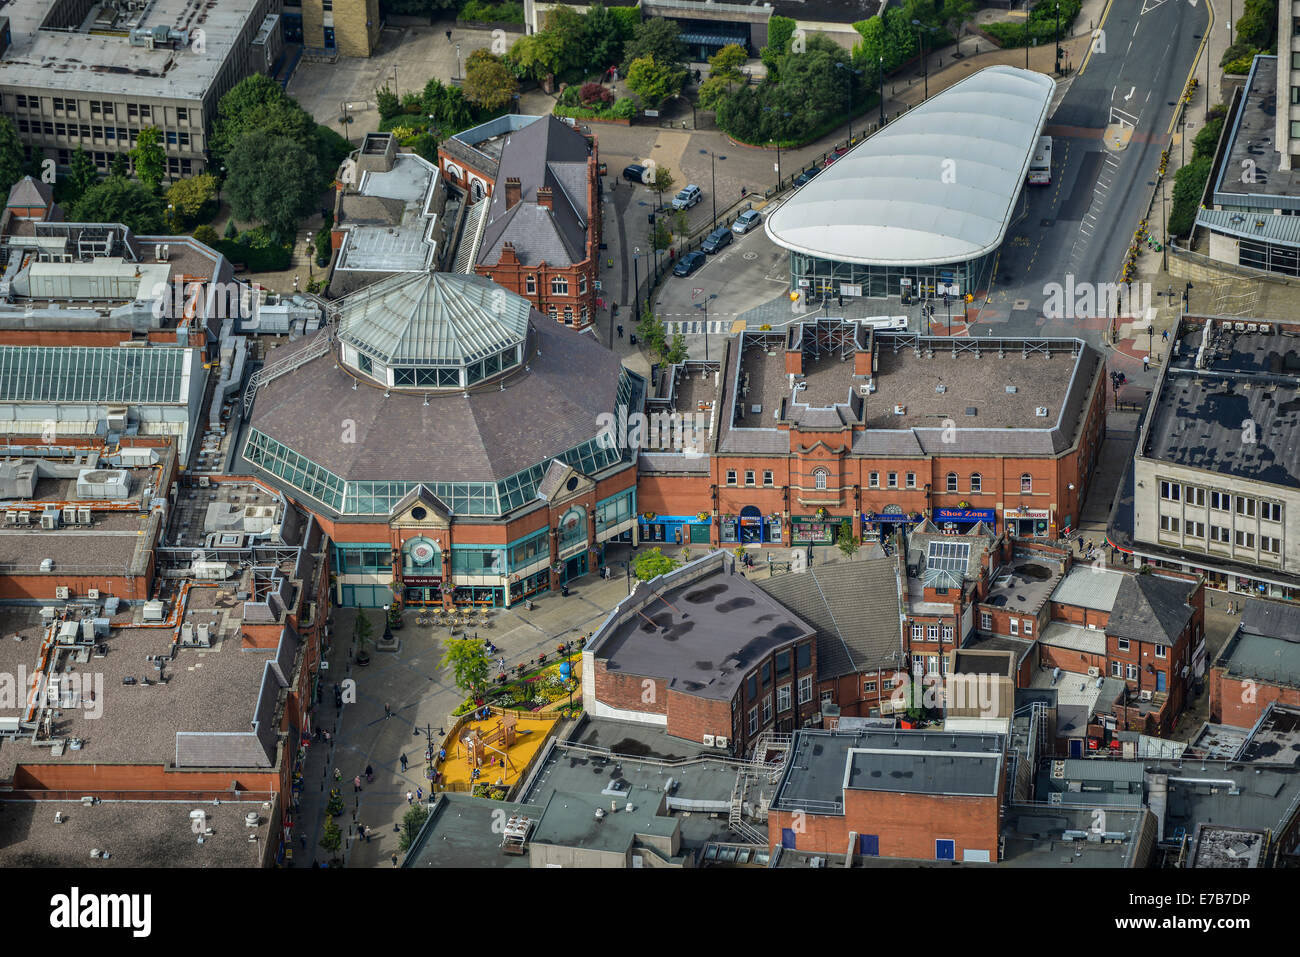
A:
<point x="513" y="191"/>
<point x="544" y="197"/>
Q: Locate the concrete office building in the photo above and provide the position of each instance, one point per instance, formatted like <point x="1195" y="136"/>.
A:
<point x="335" y="27"/>
<point x="81" y="73"/>
<point x="1217" y="472"/>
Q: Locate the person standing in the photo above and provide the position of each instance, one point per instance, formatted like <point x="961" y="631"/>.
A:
<point x="419" y="794"/>
<point x="394" y="858"/>
<point x="403" y="763"/>
<point x="410" y="798"/>
<point x="356" y="784"/>
<point x="1146" y="363"/>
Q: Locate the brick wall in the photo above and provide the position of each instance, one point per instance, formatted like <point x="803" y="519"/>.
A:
<point x="1238" y="703"/>
<point x="691" y="717"/>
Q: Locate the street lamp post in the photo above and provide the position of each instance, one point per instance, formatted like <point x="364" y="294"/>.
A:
<point x="1026" y="34"/>
<point x="852" y="73"/>
<point x="1058" y="39"/>
<point x="636" y="284"/>
<point x="882" y="90"/>
<point x="460" y="72"/>
<point x="705" y="307"/>
<point x="395" y="93"/>
<point x="925" y="55"/>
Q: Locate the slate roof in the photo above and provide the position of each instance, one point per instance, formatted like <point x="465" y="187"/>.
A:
<point x="28" y="192"/>
<point x="1150" y="607"/>
<point x="1271" y="619"/>
<point x="855" y="608"/>
<point x="545" y="153"/>
<point x="493" y="434"/>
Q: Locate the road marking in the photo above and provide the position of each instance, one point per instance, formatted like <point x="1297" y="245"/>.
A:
<point x="1131" y="91"/>
<point x="1091" y="46"/>
<point x="1200" y="51"/>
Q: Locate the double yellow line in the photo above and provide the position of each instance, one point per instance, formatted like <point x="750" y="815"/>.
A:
<point x="1092" y="42"/>
<point x="1200" y="51"/>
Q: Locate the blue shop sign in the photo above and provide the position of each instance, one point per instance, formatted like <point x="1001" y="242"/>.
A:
<point x="986" y="515"/>
<point x="895" y="518"/>
<point x="675" y="520"/>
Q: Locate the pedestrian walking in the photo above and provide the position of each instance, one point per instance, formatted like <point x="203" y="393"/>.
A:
<point x="501" y="663"/>
<point x="356" y="784"/>
<point x="1164" y="336"/>
<point x="419" y="794"/>
<point x="1146" y="363"/>
<point x="388" y="712"/>
<point x="370" y="774"/>
<point x="394" y="858"/>
<point x="620" y="330"/>
<point x="367" y="833"/>
<point x="403" y="764"/>
<point x="338" y="775"/>
<point x="303" y="838"/>
<point x="448" y="36"/>
<point x="410" y="798"/>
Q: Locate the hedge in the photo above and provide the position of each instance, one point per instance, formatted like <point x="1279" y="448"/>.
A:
<point x="270" y="259"/>
<point x="1042" y="25"/>
<point x="485" y="12"/>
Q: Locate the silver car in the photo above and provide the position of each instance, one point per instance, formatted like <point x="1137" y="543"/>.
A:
<point x="746" y="221"/>
<point x="688" y="197"/>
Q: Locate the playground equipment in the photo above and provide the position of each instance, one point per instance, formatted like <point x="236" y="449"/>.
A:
<point x="477" y="744"/>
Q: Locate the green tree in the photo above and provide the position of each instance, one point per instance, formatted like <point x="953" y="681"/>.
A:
<point x="728" y="60"/>
<point x="675" y="352"/>
<point x="12" y="156"/>
<point x="361" y="632"/>
<point x="1189" y="185"/>
<point x="119" y="168"/>
<point x="847" y="541"/>
<point x="206" y="235"/>
<point x="662" y="182"/>
<point x="331" y="838"/>
<point x="82" y="173"/>
<point x="231" y="231"/>
<point x="488" y="82"/>
<point x="602" y="39"/>
<point x="650" y="331"/>
<point x="566" y="24"/>
<point x="119" y="200"/>
<point x="334" y="807"/>
<point x="658" y="39"/>
<point x="272" y="180"/>
<point x="149" y="157"/>
<point x="654" y="82"/>
<point x="538" y="54"/>
<point x="412" y="821"/>
<point x="387" y="103"/>
<point x="426" y="145"/>
<point x="662" y="237"/>
<point x="258" y="104"/>
<point x="469" y="663"/>
<point x="652" y="564"/>
<point x="779" y="31"/>
<point x="194" y="197"/>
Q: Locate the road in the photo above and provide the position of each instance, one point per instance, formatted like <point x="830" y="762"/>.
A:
<point x="1109" y="130"/>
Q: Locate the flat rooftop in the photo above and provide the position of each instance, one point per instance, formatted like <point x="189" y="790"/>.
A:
<point x="824" y="763"/>
<point x="1219" y="741"/>
<point x="1275" y="739"/>
<point x="390" y="218"/>
<point x="1035" y="836"/>
<point x="1197" y="417"/>
<point x="134" y="833"/>
<point x="108" y="545"/>
<point x="1024" y="584"/>
<point x="213" y="690"/>
<point x="634" y="740"/>
<point x="701" y="629"/>
<point x="1251" y="140"/>
<point x="1226" y="847"/>
<point x="69" y="57"/>
<point x="465" y="831"/>
<point x="1272" y="660"/>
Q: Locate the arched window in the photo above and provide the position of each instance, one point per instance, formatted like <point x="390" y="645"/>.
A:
<point x="976" y="482"/>
<point x="819" y="478"/>
<point x="1026" y="483"/>
<point x="421" y="557"/>
<point x="952" y="481"/>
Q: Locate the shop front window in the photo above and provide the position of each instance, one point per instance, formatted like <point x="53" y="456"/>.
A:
<point x="573" y="527"/>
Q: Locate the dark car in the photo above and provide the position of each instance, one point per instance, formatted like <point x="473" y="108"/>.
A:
<point x="805" y="176"/>
<point x="717" y="239"/>
<point x="634" y="174"/>
<point x="692" y="261"/>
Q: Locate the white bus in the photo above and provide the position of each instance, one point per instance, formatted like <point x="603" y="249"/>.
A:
<point x="1040" y="167"/>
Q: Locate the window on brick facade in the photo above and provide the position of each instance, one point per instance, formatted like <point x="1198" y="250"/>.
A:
<point x="753" y="721"/>
<point x="1122" y="644"/>
<point x="767" y="708"/>
<point x="868" y="687"/>
<point x="749" y="476"/>
<point x="582" y="284"/>
<point x="911" y="480"/>
<point x="1161" y="651"/>
<point x="751" y="687"/>
<point x="918" y="630"/>
<point x="976" y="482"/>
<point x="559" y="286"/>
<point x="873" y="480"/>
<point x="767" y="477"/>
<point x="1014" y="625"/>
<point x="828" y="696"/>
<point x="932" y="632"/>
<point x="891" y="480"/>
<point x="952" y="481"/>
<point x="765" y="674"/>
<point x="530" y="284"/>
<point x="819" y="478"/>
<point x="1132" y="672"/>
<point x="804" y="657"/>
<point x="946" y="632"/>
<point x="731" y="476"/>
<point x="1026" y="484"/>
<point x="783" y="698"/>
<point x="986" y="620"/>
<point x="805" y="689"/>
<point x="1117" y="669"/>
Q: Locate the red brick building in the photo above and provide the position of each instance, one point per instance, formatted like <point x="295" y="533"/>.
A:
<point x="830" y="422"/>
<point x="1258" y="667"/>
<point x="907" y="794"/>
<point x="539" y="233"/>
<point x="706" y="654"/>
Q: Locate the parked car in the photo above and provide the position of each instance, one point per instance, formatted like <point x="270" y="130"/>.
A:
<point x="634" y="174"/>
<point x="746" y="221"/>
<point x="688" y="197"/>
<point x="839" y="151"/>
<point x="692" y="261"/>
<point x="716" y="240"/>
<point x="805" y="176"/>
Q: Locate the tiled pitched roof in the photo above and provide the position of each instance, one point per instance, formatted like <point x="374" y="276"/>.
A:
<point x="1150" y="607"/>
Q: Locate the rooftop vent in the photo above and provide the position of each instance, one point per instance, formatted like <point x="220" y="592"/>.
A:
<point x="1041" y="411"/>
<point x="1011" y="390"/>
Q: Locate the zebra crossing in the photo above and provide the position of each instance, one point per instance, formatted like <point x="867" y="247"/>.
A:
<point x="695" y="326"/>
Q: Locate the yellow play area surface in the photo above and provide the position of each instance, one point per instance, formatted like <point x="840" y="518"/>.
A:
<point x="530" y="735"/>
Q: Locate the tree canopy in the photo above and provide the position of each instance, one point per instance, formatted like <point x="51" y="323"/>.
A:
<point x="656" y="38"/>
<point x="468" y="661"/>
<point x="13" y="158"/>
<point x="272" y="180"/>
<point x="488" y="81"/>
<point x="651" y="564"/>
<point x="121" y="200"/>
<point x="149" y="157"/>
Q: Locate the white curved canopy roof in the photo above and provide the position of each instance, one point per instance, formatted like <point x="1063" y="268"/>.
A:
<point x="937" y="185"/>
